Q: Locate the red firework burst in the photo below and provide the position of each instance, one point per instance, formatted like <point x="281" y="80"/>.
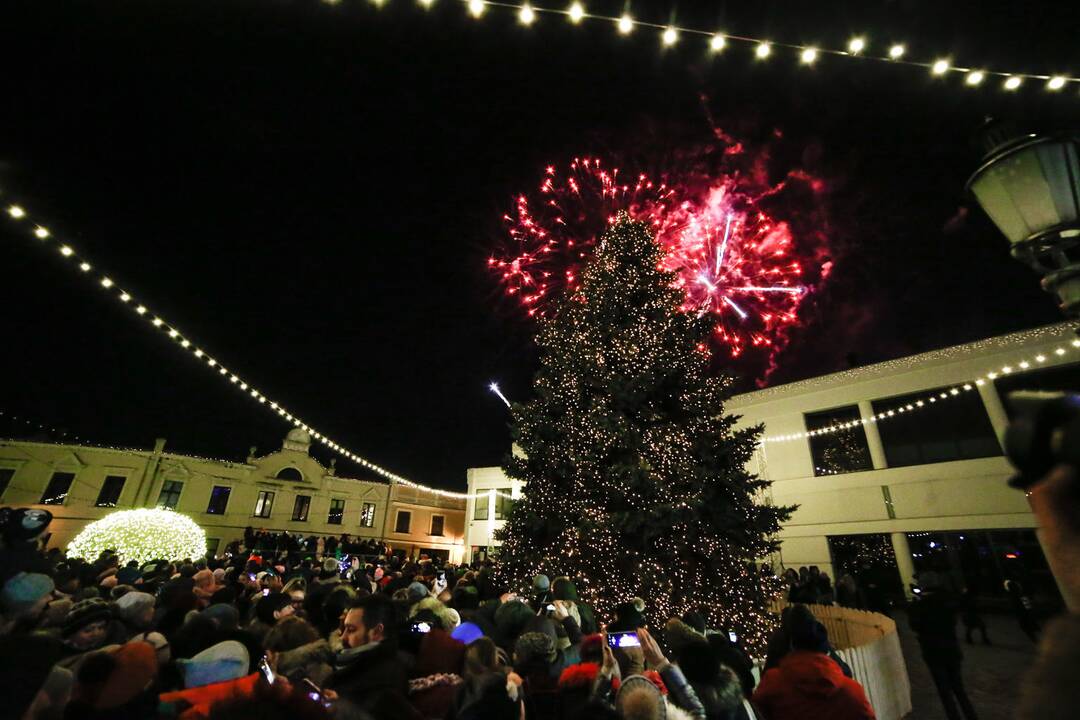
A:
<point x="736" y="263"/>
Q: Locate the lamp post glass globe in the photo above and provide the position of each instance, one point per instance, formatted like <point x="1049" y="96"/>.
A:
<point x="1029" y="185"/>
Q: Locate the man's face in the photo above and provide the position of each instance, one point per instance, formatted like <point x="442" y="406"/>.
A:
<point x="355" y="632"/>
<point x="90" y="636"/>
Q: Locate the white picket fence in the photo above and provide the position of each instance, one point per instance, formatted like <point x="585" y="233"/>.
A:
<point x="869" y="644"/>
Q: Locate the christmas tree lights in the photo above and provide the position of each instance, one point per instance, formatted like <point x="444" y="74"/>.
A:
<point x="141" y="535"/>
<point x="636" y="479"/>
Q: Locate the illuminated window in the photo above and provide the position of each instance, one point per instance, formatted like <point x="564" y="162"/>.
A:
<point x="57" y="490"/>
<point x="480" y="508"/>
<point x="219" y="500"/>
<point x="843" y="451"/>
<point x="264" y="504"/>
<point x="170" y="494"/>
<point x="437" y="523"/>
<point x="337" y="511"/>
<point x="110" y="491"/>
<point x="503" y="505"/>
<point x="367" y="515"/>
<point x="300" y="508"/>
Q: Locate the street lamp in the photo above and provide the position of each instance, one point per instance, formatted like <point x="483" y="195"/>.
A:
<point x="1029" y="185"/>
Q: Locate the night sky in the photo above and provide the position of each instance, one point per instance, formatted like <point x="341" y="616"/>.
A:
<point x="311" y="192"/>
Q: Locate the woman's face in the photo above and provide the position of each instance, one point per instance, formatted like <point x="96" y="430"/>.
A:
<point x="89" y="636"/>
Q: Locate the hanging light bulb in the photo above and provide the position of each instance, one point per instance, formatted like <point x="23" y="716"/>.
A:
<point x="897" y="51"/>
<point x="856" y="45"/>
<point x="526" y="16"/>
<point x="16" y="212"/>
<point x="808" y="56"/>
<point x="576" y="13"/>
<point x="1055" y="83"/>
<point x="670" y="36"/>
<point x="626" y="24"/>
<point x="940" y="67"/>
<point x="717" y="42"/>
<point x="975" y="77"/>
<point x="477" y="7"/>
<point x="1012" y="82"/>
<point x="763" y="50"/>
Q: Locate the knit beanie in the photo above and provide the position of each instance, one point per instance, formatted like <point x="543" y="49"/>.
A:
<point x="563" y="589"/>
<point x="131" y="606"/>
<point x="23" y="591"/>
<point x="638" y="685"/>
<point x="225" y="616"/>
<point x="85" y="612"/>
<point x="227" y="660"/>
<point x="511" y="618"/>
<point x="111" y="679"/>
<point x="418" y="591"/>
<point x="270" y="604"/>
<point x="541" y="583"/>
<point x="534" y="647"/>
<point x="679" y="635"/>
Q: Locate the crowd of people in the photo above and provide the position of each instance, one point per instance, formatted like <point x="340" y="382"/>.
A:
<point x="264" y="541"/>
<point x="280" y="634"/>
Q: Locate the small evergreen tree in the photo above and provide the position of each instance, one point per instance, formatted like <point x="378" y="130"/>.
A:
<point x="636" y="479"/>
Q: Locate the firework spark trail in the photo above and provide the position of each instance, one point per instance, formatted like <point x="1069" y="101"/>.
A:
<point x="715" y="234"/>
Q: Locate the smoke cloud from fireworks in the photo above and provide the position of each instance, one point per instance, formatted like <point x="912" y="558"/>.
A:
<point x="725" y="228"/>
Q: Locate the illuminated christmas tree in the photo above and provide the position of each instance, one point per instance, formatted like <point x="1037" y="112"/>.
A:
<point x="636" y="479"/>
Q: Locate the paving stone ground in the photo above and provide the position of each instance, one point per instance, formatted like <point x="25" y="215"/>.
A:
<point x="991" y="673"/>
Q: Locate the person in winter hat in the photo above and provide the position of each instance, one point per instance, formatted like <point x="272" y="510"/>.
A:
<point x="87" y="624"/>
<point x="23" y="601"/>
<point x="808" y="684"/>
<point x="115" y="684"/>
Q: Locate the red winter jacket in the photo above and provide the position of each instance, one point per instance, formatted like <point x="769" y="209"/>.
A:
<point x="810" y="686"/>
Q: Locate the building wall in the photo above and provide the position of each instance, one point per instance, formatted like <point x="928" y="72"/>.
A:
<point x="422" y="507"/>
<point x="147" y="471"/>
<point x="957" y="495"/>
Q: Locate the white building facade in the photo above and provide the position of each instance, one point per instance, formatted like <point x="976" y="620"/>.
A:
<point x="903" y="456"/>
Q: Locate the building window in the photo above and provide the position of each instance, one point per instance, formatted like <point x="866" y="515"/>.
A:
<point x="437" y="524"/>
<point x="402" y="522"/>
<point x="5" y="479"/>
<point x="170" y="494"/>
<point x="219" y="500"/>
<point x="300" y="508"/>
<point x="59" y="484"/>
<point x="503" y="505"/>
<point x="367" y="515"/>
<point x="110" y="491"/>
<point x="264" y="503"/>
<point x="953" y="427"/>
<point x="289" y="474"/>
<point x="337" y="511"/>
<point x="843" y="451"/>
<point x="480" y="507"/>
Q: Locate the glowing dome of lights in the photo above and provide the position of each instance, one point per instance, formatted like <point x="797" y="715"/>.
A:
<point x="141" y="535"/>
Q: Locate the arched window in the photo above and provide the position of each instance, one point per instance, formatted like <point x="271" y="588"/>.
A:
<point x="290" y="474"/>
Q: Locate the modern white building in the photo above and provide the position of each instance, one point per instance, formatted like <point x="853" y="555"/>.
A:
<point x="901" y="458"/>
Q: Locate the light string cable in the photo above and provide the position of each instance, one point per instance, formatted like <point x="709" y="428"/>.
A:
<point x="857" y="48"/>
<point x="107" y="284"/>
<point x="931" y="399"/>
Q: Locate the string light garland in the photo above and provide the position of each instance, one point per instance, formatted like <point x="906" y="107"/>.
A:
<point x="930" y="400"/>
<point x="142" y="535"/>
<point x="107" y="284"/>
<point x="857" y="48"/>
<point x="16" y="419"/>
